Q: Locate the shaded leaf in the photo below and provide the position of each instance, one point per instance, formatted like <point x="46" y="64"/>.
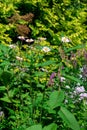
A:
<point x="69" y="118"/>
<point x="72" y="78"/>
<point x="6" y="77"/>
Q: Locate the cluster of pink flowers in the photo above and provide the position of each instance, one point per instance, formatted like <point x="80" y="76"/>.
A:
<point x="76" y="94"/>
<point x="81" y="92"/>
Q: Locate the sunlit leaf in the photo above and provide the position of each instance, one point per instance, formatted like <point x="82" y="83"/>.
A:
<point x="56" y="98"/>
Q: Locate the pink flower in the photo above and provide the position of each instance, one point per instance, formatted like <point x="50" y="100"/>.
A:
<point x="83" y="95"/>
<point x="79" y="89"/>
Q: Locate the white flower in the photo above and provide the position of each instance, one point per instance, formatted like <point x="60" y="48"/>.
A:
<point x="66" y="101"/>
<point x="46" y="49"/>
<point x="21" y="37"/>
<point x="65" y="39"/>
<point x="12" y="46"/>
<point x="19" y="58"/>
<point x="29" y="40"/>
<point x="68" y="87"/>
<point x="62" y="79"/>
<point x="44" y="70"/>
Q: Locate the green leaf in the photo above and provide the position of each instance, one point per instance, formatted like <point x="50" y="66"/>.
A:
<point x="39" y="73"/>
<point x="46" y="63"/>
<point x="56" y="98"/>
<point x="2" y="88"/>
<point x="74" y="48"/>
<point x="35" y="127"/>
<point x="52" y="126"/>
<point x="69" y="118"/>
<point x="72" y="78"/>
<point x="6" y="77"/>
<point x="5" y="99"/>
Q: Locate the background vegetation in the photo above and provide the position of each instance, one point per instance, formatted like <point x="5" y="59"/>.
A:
<point x="43" y="65"/>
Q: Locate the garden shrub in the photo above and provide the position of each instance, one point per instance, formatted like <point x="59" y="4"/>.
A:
<point x="43" y="71"/>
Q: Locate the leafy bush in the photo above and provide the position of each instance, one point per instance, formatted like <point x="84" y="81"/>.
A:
<point x="43" y="74"/>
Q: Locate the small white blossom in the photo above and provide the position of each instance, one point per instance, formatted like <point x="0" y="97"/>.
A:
<point x="66" y="101"/>
<point x="46" y="49"/>
<point x="62" y="79"/>
<point x="65" y="39"/>
<point x="29" y="40"/>
<point x="68" y="87"/>
<point x="12" y="46"/>
<point x="44" y="70"/>
<point x="19" y="58"/>
<point x="21" y="37"/>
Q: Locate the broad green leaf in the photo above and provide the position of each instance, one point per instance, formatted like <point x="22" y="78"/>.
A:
<point x="35" y="127"/>
<point x="69" y="118"/>
<point x="56" y="98"/>
<point x="52" y="126"/>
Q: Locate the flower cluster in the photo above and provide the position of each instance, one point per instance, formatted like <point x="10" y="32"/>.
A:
<point x="12" y="46"/>
<point x="27" y="40"/>
<point x="76" y="94"/>
<point x="80" y="92"/>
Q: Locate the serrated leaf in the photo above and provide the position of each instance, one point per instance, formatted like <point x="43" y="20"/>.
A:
<point x="69" y="118"/>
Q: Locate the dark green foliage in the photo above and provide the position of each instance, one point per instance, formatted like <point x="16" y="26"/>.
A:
<point x="43" y="57"/>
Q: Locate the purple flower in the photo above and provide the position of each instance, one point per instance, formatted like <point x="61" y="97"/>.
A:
<point x="79" y="89"/>
<point x="52" y="75"/>
<point x="83" y="96"/>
